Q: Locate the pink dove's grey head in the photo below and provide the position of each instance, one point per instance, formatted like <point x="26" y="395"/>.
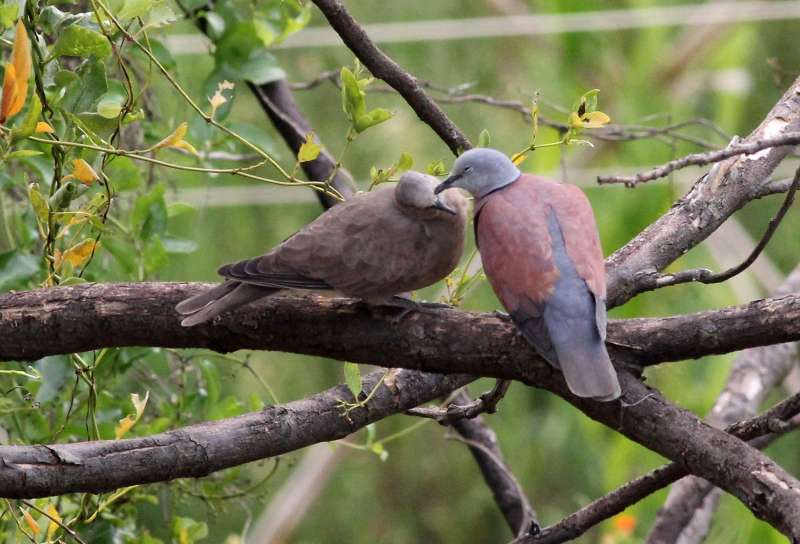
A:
<point x="414" y="196"/>
<point x="480" y="171"/>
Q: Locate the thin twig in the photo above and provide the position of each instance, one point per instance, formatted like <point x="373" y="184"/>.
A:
<point x="704" y="275"/>
<point x="383" y="67"/>
<point x="55" y="520"/>
<point x="485" y="403"/>
<point x="698" y="159"/>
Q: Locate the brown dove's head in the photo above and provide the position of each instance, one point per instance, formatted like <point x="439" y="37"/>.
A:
<point x="480" y="171"/>
<point x="415" y="197"/>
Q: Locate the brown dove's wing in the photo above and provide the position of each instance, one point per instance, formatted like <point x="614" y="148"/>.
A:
<point x="515" y="245"/>
<point x="356" y="248"/>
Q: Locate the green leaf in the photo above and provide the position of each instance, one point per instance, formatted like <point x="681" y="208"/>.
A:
<point x="175" y="209"/>
<point x="56" y="372"/>
<point x="309" y="150"/>
<point x="134" y="8"/>
<point x="436" y="168"/>
<point x="124" y="174"/>
<point x="28" y="125"/>
<point x="23" y="153"/>
<point x="353" y="102"/>
<point x="405" y="163"/>
<point x="240" y="52"/>
<point x="374" y="117"/>
<point x="16" y="266"/>
<point x="150" y="214"/>
<point x="40" y="207"/>
<point x="90" y="85"/>
<point x="79" y="41"/>
<point x="186" y="530"/>
<point x="8" y="14"/>
<point x="215" y="24"/>
<point x="484" y="140"/>
<point x="175" y="245"/>
<point x="155" y="254"/>
<point x="352" y="377"/>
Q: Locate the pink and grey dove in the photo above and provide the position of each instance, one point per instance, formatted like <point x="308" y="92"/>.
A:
<point x="373" y="246"/>
<point x="541" y="252"/>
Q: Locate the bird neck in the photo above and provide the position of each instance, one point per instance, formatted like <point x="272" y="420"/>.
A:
<point x="499" y="183"/>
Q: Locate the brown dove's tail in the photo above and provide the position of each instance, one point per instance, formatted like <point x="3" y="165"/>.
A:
<point x="217" y="300"/>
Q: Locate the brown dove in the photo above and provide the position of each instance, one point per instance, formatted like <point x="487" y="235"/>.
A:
<point x="374" y="246"/>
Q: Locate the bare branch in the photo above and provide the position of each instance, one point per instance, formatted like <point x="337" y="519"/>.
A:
<point x="508" y="494"/>
<point x="703" y="275"/>
<point x="729" y="186"/>
<point x="486" y="403"/>
<point x="691" y="503"/>
<point x="383" y="67"/>
<point x="699" y="159"/>
<point x="197" y="450"/>
<point x="92" y="316"/>
<point x="613" y="503"/>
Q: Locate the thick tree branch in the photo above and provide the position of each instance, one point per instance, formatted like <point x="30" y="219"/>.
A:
<point x="34" y="324"/>
<point x="611" y="504"/>
<point x="703" y="275"/>
<point x="197" y="450"/>
<point x="689" y="509"/>
<point x="479" y="344"/>
<point x="729" y="185"/>
<point x="383" y="67"/>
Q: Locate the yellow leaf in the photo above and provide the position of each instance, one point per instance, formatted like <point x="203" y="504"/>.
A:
<point x="41" y="126"/>
<point x="176" y="136"/>
<point x="9" y="92"/>
<point x="15" y="82"/>
<point x="519" y="159"/>
<point x="83" y="172"/>
<point x="575" y="121"/>
<point x="53" y="526"/>
<point x="127" y="422"/>
<point x="79" y="253"/>
<point x="309" y="150"/>
<point x="183" y="144"/>
<point x="125" y="425"/>
<point x="183" y="536"/>
<point x="58" y="258"/>
<point x="34" y="527"/>
<point x="595" y="119"/>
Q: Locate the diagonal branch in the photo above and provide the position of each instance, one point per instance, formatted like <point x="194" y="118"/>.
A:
<point x="458" y="342"/>
<point x="617" y="501"/>
<point x="715" y="197"/>
<point x="705" y="276"/>
<point x="198" y="450"/>
<point x="689" y="508"/>
<point x="383" y="67"/>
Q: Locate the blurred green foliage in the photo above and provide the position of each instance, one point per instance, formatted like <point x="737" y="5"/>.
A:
<point x="421" y="486"/>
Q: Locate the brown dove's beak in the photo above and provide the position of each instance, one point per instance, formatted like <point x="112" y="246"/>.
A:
<point x="446" y="184"/>
<point x="439" y="205"/>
